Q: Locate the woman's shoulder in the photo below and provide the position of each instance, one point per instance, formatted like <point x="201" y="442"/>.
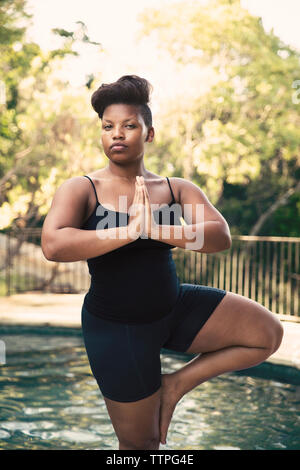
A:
<point x="183" y="186"/>
<point x="182" y="183"/>
<point x="97" y="174"/>
<point x="177" y="185"/>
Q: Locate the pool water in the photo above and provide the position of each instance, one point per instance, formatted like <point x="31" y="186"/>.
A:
<point x="50" y="400"/>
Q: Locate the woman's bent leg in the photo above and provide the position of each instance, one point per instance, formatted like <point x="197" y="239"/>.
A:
<point x="239" y="334"/>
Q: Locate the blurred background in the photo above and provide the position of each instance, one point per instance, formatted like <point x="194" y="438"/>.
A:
<point x="225" y="103"/>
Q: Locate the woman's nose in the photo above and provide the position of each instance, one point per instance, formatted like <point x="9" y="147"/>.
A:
<point x="118" y="132"/>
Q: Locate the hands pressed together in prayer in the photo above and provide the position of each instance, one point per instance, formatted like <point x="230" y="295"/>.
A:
<point x="141" y="220"/>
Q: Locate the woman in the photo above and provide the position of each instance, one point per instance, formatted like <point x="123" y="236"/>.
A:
<point x="136" y="305"/>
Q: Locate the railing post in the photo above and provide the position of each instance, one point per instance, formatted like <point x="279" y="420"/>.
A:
<point x="7" y="270"/>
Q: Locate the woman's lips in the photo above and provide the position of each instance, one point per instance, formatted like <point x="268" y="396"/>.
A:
<point x="119" y="147"/>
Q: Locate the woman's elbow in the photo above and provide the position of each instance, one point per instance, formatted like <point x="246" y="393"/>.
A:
<point x="49" y="255"/>
<point x="227" y="242"/>
<point x="226" y="237"/>
<point x="47" y="249"/>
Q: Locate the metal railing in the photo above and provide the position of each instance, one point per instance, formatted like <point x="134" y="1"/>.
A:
<point x="23" y="267"/>
<point x="265" y="269"/>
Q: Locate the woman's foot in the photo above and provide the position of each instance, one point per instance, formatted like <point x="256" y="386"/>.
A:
<point x="169" y="400"/>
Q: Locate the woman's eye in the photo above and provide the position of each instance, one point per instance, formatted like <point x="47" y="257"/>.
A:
<point x="130" y="125"/>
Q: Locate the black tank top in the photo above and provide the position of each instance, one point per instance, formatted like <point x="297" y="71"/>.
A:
<point x="137" y="282"/>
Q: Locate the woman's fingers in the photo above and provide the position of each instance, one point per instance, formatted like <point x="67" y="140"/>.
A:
<point x="137" y="216"/>
<point x="140" y="180"/>
<point x="136" y="193"/>
<point x="138" y="196"/>
<point x="140" y="192"/>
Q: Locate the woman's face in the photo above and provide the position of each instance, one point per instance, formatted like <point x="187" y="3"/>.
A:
<point x="122" y="123"/>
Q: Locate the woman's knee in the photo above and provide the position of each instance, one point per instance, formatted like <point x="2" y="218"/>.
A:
<point x="273" y="333"/>
<point x="140" y="436"/>
<point x="136" y="423"/>
<point x="139" y="443"/>
<point x="278" y="332"/>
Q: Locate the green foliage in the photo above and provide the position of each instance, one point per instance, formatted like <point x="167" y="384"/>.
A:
<point x="285" y="219"/>
<point x="245" y="130"/>
<point x="43" y="131"/>
<point x="237" y="138"/>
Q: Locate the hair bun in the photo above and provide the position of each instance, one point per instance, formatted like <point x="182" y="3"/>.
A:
<point x="138" y="86"/>
<point x="128" y="89"/>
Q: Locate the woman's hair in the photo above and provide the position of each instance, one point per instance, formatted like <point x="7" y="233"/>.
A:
<point x="129" y="89"/>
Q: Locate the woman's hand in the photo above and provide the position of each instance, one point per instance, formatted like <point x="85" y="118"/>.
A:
<point x="141" y="220"/>
<point x="150" y="226"/>
<point x="137" y="212"/>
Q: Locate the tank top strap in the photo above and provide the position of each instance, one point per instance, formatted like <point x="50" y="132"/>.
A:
<point x="93" y="187"/>
<point x="170" y="189"/>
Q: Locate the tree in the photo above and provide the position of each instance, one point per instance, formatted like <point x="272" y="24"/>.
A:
<point x="245" y="129"/>
<point x="40" y="123"/>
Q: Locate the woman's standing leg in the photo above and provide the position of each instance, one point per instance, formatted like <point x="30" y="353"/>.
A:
<point x="125" y="361"/>
<point x="136" y="424"/>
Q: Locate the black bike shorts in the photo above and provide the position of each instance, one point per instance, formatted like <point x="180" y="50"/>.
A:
<point x="125" y="358"/>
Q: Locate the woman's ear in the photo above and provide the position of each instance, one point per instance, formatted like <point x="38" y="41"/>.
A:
<point x="150" y="134"/>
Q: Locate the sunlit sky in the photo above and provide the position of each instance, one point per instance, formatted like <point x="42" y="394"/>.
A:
<point x="114" y="24"/>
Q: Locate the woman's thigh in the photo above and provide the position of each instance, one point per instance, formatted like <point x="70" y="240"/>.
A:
<point x="124" y="358"/>
<point x="208" y="319"/>
<point x="238" y="321"/>
<point x="195" y="305"/>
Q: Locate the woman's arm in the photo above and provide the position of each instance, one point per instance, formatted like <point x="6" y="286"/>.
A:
<point x="206" y="230"/>
<point x="62" y="238"/>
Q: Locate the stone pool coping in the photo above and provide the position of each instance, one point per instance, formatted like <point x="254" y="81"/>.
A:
<point x="64" y="310"/>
